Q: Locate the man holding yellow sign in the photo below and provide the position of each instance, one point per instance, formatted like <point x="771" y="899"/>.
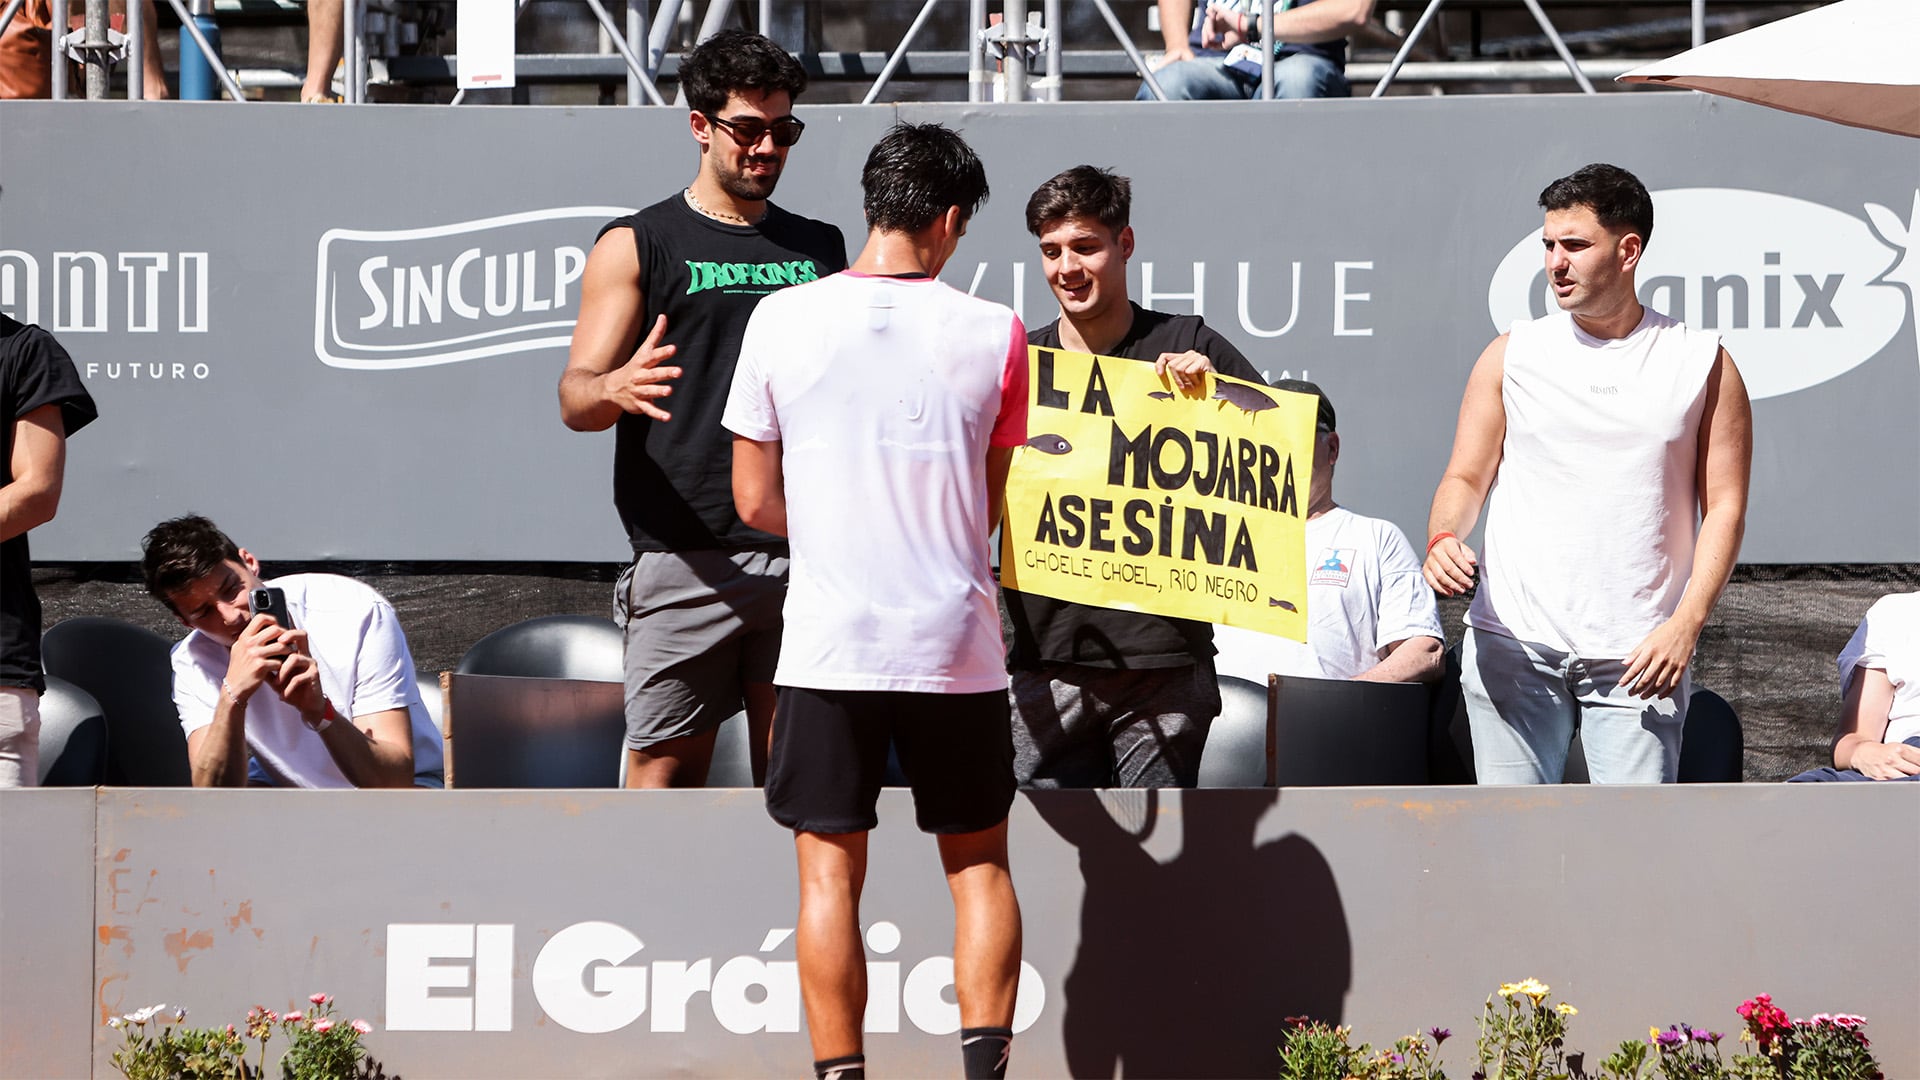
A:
<point x="1153" y="497"/>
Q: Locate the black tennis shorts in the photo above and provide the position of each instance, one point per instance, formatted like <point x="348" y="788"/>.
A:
<point x="830" y="756"/>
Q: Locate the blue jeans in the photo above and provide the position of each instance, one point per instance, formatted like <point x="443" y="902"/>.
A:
<point x="1830" y="774"/>
<point x="1299" y="75"/>
<point x="1523" y="699"/>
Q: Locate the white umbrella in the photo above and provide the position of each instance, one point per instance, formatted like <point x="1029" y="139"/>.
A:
<point x="1853" y="62"/>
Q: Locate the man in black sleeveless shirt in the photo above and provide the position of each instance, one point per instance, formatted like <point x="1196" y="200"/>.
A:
<point x="676" y="282"/>
<point x="1104" y="697"/>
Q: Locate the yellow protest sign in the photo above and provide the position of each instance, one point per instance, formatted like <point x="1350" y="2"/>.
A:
<point x="1131" y="493"/>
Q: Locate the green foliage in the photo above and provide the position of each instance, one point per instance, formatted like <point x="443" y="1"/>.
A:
<point x="320" y="1046"/>
<point x="1522" y="1038"/>
<point x="1318" y="1051"/>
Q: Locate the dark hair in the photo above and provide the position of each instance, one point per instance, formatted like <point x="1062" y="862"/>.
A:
<point x="1324" y="417"/>
<point x="1616" y="197"/>
<point x="181" y="551"/>
<point x="915" y="172"/>
<point x="735" y="60"/>
<point x="1082" y="191"/>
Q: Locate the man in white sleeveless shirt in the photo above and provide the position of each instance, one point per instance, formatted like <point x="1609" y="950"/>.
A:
<point x="1592" y="437"/>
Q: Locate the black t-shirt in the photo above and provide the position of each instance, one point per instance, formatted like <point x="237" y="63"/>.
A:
<point x="673" y="482"/>
<point x="1046" y="630"/>
<point x="34" y="372"/>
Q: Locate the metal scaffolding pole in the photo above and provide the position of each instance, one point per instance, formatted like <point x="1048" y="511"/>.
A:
<point x="97" y="47"/>
<point x="1013" y="24"/>
<point x="206" y="50"/>
<point x="899" y="52"/>
<point x="1266" y="50"/>
<point x="976" y="50"/>
<point x="1133" y="55"/>
<point x="137" y="49"/>
<point x="637" y="41"/>
<point x="1699" y="23"/>
<point x="1050" y="21"/>
<point x="635" y="69"/>
<point x="61" y="18"/>
<point x="349" y="35"/>
<point x="664" y="22"/>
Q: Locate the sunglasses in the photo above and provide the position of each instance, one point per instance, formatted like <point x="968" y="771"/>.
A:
<point x="786" y="130"/>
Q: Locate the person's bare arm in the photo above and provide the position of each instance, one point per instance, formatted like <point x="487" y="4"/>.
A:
<point x="1415" y="659"/>
<point x="1477" y="441"/>
<point x="1863" y="730"/>
<point x="606" y="376"/>
<point x="1176" y="26"/>
<point x="759" y="485"/>
<point x="38" y="464"/>
<point x="217" y="752"/>
<point x="1725" y="462"/>
<point x="1323" y="20"/>
<point x="373" y="750"/>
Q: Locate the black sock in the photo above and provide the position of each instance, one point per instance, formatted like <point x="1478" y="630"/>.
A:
<point x="985" y="1051"/>
<point x="851" y="1067"/>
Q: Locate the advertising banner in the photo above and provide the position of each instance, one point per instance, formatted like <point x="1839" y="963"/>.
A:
<point x="1134" y="493"/>
<point x="355" y="355"/>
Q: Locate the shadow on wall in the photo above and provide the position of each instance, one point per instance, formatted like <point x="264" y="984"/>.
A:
<point x="1189" y="968"/>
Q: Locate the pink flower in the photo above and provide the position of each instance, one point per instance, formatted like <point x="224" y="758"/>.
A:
<point x="363" y="1027"/>
<point x="230" y="1030"/>
<point x="290" y="1018"/>
<point x="323" y="1025"/>
<point x="319" y="999"/>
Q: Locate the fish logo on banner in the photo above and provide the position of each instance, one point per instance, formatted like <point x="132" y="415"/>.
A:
<point x="1134" y="494"/>
<point x="407" y="298"/>
<point x="1799" y="292"/>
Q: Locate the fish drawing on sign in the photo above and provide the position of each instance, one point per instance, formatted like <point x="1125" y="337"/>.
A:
<point x="1050" y="444"/>
<point x="1274" y="601"/>
<point x="1246" y="398"/>
<point x="1161" y="395"/>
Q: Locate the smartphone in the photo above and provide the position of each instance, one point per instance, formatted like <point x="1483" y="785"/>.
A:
<point x="270" y="601"/>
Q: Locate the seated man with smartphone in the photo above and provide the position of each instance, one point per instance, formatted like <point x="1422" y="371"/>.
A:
<point x="305" y="681"/>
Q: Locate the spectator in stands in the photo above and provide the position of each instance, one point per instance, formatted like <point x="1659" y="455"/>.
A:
<point x="327" y="702"/>
<point x="26" y="52"/>
<point x="1593" y="437"/>
<point x="42" y="401"/>
<point x="701" y="601"/>
<point x="1104" y="697"/>
<point x="875" y="413"/>
<point x="1215" y="54"/>
<point x="324" y="48"/>
<point x="1372" y="615"/>
<point x="1879" y="737"/>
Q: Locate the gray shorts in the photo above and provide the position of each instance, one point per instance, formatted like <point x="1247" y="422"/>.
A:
<point x="1088" y="727"/>
<point x="700" y="626"/>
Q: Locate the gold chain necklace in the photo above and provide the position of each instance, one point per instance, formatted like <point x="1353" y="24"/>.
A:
<point x="720" y="215"/>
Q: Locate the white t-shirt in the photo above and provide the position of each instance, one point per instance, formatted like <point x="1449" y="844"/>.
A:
<point x="1889" y="639"/>
<point x="1592" y="515"/>
<point x="365" y="667"/>
<point x="884" y="394"/>
<point x="1364" y="592"/>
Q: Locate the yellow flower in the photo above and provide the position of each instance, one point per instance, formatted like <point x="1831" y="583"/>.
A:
<point x="1653" y="1033"/>
<point x="1509" y="989"/>
<point x="1565" y="1009"/>
<point x="1533" y="988"/>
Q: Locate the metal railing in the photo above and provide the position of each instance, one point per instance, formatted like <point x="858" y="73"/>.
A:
<point x="1021" y="40"/>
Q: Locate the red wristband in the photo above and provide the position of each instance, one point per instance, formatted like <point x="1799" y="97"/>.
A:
<point x="1437" y="537"/>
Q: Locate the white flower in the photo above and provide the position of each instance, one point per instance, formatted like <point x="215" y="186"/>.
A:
<point x="141" y="1016"/>
<point x="116" y="1021"/>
